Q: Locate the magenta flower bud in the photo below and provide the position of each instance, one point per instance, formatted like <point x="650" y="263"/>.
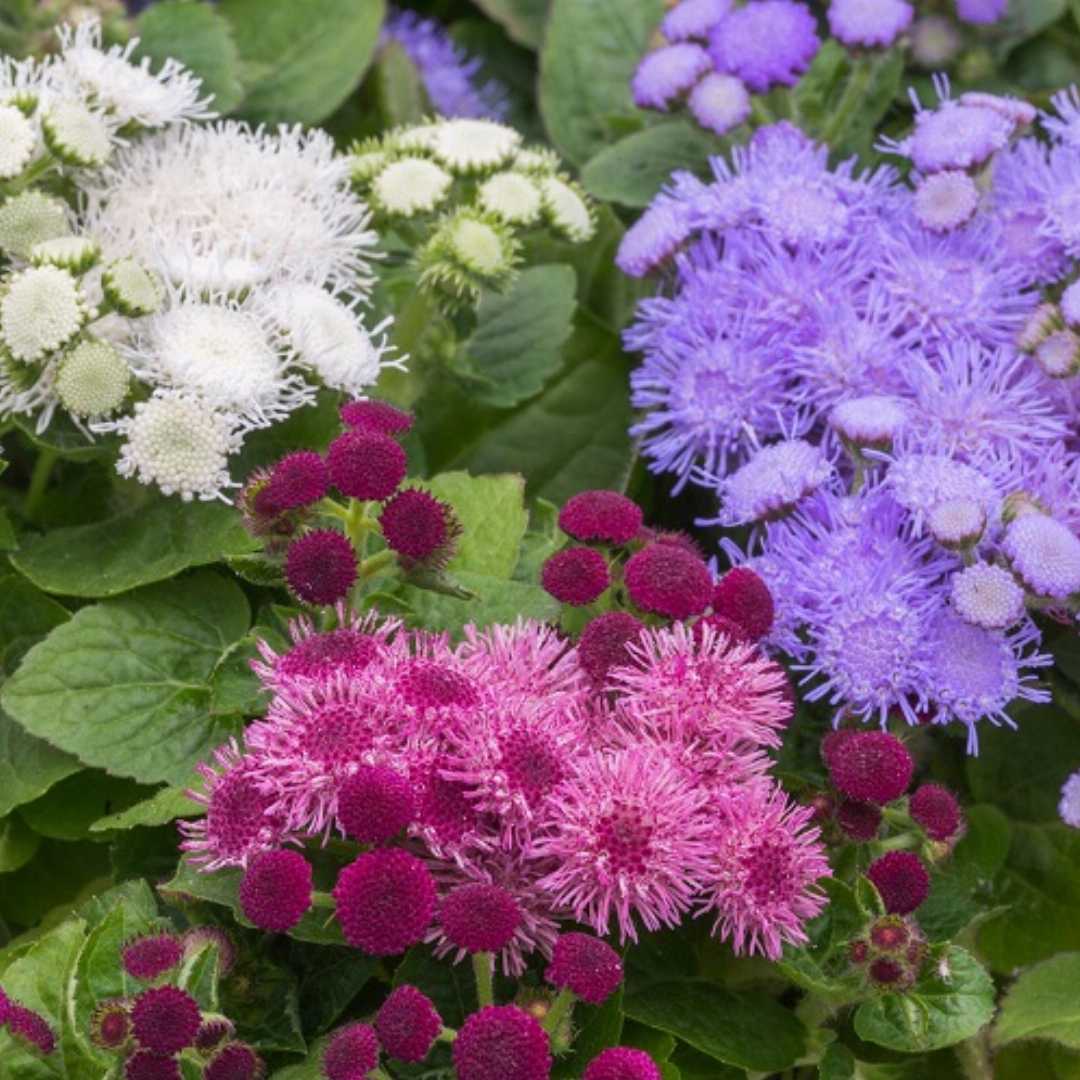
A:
<point x="235" y="1061"/>
<point x="375" y="803"/>
<point x="501" y="1041"/>
<point x="888" y="974"/>
<point x="408" y="1024"/>
<point x="721" y="624"/>
<point x="110" y="1024"/>
<point x="351" y="1054"/>
<point x="668" y="580"/>
<point x="480" y="918"/>
<point x="420" y="528"/>
<point x="320" y="567"/>
<point x="200" y="936"/>
<point x="604" y="641"/>
<point x="901" y="879"/>
<point x="366" y="464"/>
<point x="30" y="1027"/>
<point x="868" y="766"/>
<point x="741" y="596"/>
<point x="378" y="416"/>
<point x="152" y="955"/>
<point x="276" y="890"/>
<point x="601" y="517"/>
<point x="858" y="821"/>
<point x="385" y="901"/>
<point x="298" y="479"/>
<point x="588" y="966"/>
<point x="575" y="576"/>
<point x="936" y="809"/>
<point x="212" y="1033"/>
<point x="146" y="1065"/>
<point x="622" y="1063"/>
<point x="891" y="934"/>
<point x="165" y="1019"/>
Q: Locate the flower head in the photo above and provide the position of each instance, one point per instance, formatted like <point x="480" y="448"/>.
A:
<point x="719" y="102"/>
<point x="19" y="141"/>
<point x="600" y="517"/>
<point x="667" y="73"/>
<point x="1045" y="554"/>
<point x="420" y="528"/>
<point x="901" y="879"/>
<point x="147" y="1065"/>
<point x="31" y="218"/>
<point x="502" y="1040"/>
<point x="407" y="1024"/>
<point x="765" y="43"/>
<point x="603" y="643"/>
<point x="165" y="1019"/>
<point x="937" y="810"/>
<point x="946" y="200"/>
<point x="92" y="379"/>
<point x="365" y="464"/>
<point x="385" y="901"/>
<point x="586" y="965"/>
<point x="235" y="1061"/>
<point x="110" y="1024"/>
<point x="693" y="18"/>
<point x="375" y="803"/>
<point x="858" y="821"/>
<point x="576" y="575"/>
<point x="152" y="955"/>
<point x="627" y="836"/>
<point x="213" y="1034"/>
<point x="298" y="479"/>
<point x="479" y="918"/>
<point x="869" y="22"/>
<point x="988" y="596"/>
<point x="320" y="567"/>
<point x="30" y="1028"/>
<point x="668" y="580"/>
<point x="351" y="1054"/>
<point x="378" y="416"/>
<point x="868" y="766"/>
<point x="275" y="891"/>
<point x="1069" y="804"/>
<point x="41" y="310"/>
<point x="77" y="135"/>
<point x="622" y="1063"/>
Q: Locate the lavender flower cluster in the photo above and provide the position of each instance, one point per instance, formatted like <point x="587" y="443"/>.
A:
<point x="717" y="53"/>
<point x="498" y="762"/>
<point x="868" y="376"/>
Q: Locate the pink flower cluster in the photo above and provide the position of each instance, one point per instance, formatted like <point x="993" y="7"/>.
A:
<point x="500" y="761"/>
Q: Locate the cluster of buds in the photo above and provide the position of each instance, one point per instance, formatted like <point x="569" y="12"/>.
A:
<point x="1050" y="336"/>
<point x="870" y="774"/>
<point x="367" y="465"/>
<point x="468" y="192"/>
<point x="891" y="954"/>
<point x="160" y="1032"/>
<point x="625" y="576"/>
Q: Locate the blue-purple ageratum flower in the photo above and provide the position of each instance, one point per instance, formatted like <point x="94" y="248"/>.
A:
<point x="451" y="78"/>
<point x="869" y="22"/>
<point x="981" y="12"/>
<point x="765" y="43"/>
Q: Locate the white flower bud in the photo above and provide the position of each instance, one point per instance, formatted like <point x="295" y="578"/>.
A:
<point x="987" y="596"/>
<point x="31" y="218"/>
<point x="74" y="253"/>
<point x="92" y="379"/>
<point x="410" y="186"/>
<point x="18" y="140"/>
<point x="567" y="209"/>
<point x="131" y="289"/>
<point x="512" y="196"/>
<point x="76" y="135"/>
<point x="473" y="145"/>
<point x="42" y="310"/>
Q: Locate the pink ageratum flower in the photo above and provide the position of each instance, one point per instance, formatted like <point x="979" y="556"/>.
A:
<point x="351" y="1054"/>
<point x="479" y="918"/>
<point x="366" y="464"/>
<point x="298" y="479"/>
<point x="239" y="821"/>
<point x="575" y="576"/>
<point x="669" y="580"/>
<point x="376" y="416"/>
<point x="502" y="1041"/>
<point x="629" y="836"/>
<point x="901" y="879"/>
<point x="151" y="955"/>
<point x="235" y="1061"/>
<point x="525" y="659"/>
<point x="603" y="644"/>
<point x="604" y="517"/>
<point x="622" y="1063"/>
<point x="275" y="892"/>
<point x="765" y="860"/>
<point x="686" y="685"/>
<point x="589" y="967"/>
<point x="147" y="1065"/>
<point x="165" y="1019"/>
<point x="375" y="803"/>
<point x="421" y="529"/>
<point x="408" y="1024"/>
<point x="320" y="567"/>
<point x="937" y="810"/>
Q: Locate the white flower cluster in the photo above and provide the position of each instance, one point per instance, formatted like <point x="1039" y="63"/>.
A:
<point x="474" y="188"/>
<point x="203" y="281"/>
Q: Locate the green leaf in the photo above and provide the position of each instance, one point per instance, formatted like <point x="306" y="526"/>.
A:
<point x="495" y="600"/>
<point x="523" y="20"/>
<point x="634" y="169"/>
<point x="748" y="1030"/>
<point x="261" y="998"/>
<point x="841" y="99"/>
<point x="197" y="36"/>
<point x="590" y="53"/>
<point x="517" y="344"/>
<point x="945" y="1007"/>
<point x="689" y="1064"/>
<point x="26" y="616"/>
<point x="570" y="438"/>
<point x="18" y="843"/>
<point x="1044" y="1003"/>
<point x="133" y="549"/>
<point x="302" y="59"/>
<point x="137" y="896"/>
<point x="199" y="974"/>
<point x="450" y="986"/>
<point x="124" y="684"/>
<point x="164" y="806"/>
<point x="28" y="766"/>
<point x="837" y="1063"/>
<point x="398" y="88"/>
<point x="69" y="809"/>
<point x="597" y="1028"/>
<point x="1045" y="1060"/>
<point x="9" y="541"/>
<point x="59" y="876"/>
<point x="332" y="977"/>
<point x="1021" y="772"/>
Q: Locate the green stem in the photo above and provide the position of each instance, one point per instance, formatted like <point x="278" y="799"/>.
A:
<point x="851" y="101"/>
<point x="39" y="481"/>
<point x="814" y="1010"/>
<point x="35" y="171"/>
<point x="560" y="1009"/>
<point x="447" y="1035"/>
<point x="371" y="566"/>
<point x="483" y="964"/>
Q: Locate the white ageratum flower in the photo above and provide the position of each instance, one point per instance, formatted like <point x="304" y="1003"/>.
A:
<point x="127" y="91"/>
<point x="537" y="161"/>
<point x="872" y="420"/>
<point x="131" y="288"/>
<point x="1045" y="554"/>
<point x="772" y="482"/>
<point x="512" y="196"/>
<point x="410" y="186"/>
<point x="567" y="209"/>
<point x="30" y="219"/>
<point x="919" y="482"/>
<point x="74" y="253"/>
<point x="328" y="337"/>
<point x="957" y="523"/>
<point x="223" y="352"/>
<point x="224" y="208"/>
<point x="24" y="82"/>
<point x="42" y="310"/>
<point x="987" y="596"/>
<point x="419" y="137"/>
<point x="18" y="141"/>
<point x="469" y="146"/>
<point x="76" y="134"/>
<point x="92" y="379"/>
<point x="173" y="440"/>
